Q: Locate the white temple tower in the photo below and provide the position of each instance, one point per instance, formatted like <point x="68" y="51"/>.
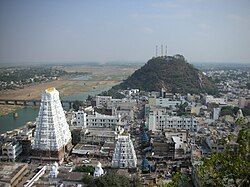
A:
<point x="98" y="170"/>
<point x="52" y="134"/>
<point x="124" y="154"/>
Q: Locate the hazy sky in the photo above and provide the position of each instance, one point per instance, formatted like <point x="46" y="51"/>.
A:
<point x="126" y="30"/>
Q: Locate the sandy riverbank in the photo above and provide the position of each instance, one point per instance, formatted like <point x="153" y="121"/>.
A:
<point x="65" y="87"/>
<point x="101" y="77"/>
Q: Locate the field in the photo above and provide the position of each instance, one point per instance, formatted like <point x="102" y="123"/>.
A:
<point x="100" y="76"/>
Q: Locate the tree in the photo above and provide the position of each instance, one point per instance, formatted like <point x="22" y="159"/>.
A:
<point x="246" y="111"/>
<point x="229" y="167"/>
<point x="182" y="109"/>
<point x="244" y="142"/>
<point x="76" y="136"/>
<point x="114" y="93"/>
<point x="110" y="179"/>
<point x="89" y="98"/>
<point x="248" y="85"/>
<point x="85" y="169"/>
<point x="178" y="179"/>
<point x="77" y="104"/>
<point x="172" y="73"/>
<point x="241" y="121"/>
<point x="87" y="179"/>
<point x="227" y="110"/>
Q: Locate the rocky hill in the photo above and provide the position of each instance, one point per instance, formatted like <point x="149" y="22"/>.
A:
<point x="172" y="73"/>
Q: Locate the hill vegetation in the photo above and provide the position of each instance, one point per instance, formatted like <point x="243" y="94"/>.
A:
<point x="172" y="73"/>
<point x="231" y="167"/>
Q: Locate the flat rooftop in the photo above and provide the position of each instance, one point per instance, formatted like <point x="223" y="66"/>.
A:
<point x="9" y="170"/>
<point x="86" y="146"/>
<point x="101" y="132"/>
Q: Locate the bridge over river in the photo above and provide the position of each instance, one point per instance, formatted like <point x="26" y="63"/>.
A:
<point x="32" y="102"/>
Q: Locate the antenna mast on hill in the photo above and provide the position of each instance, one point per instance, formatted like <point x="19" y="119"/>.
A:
<point x="156" y="51"/>
<point x="166" y="52"/>
<point x="161" y="50"/>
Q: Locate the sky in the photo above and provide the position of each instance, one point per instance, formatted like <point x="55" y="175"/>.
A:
<point x="47" y="31"/>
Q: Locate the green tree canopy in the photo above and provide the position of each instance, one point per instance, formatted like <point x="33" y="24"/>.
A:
<point x="229" y="167"/>
<point x="77" y="104"/>
<point x="110" y="179"/>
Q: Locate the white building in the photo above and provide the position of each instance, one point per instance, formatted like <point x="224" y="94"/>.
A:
<point x="123" y="107"/>
<point x="79" y="119"/>
<point x="100" y="120"/>
<point x="216" y="113"/>
<point x="121" y="103"/>
<point x="52" y="131"/>
<point x="127" y="115"/>
<point x="96" y="120"/>
<point x="180" y="137"/>
<point x="158" y="120"/>
<point x="102" y="100"/>
<point x="164" y="102"/>
<point x="133" y="91"/>
<point x="124" y="155"/>
<point x="11" y="150"/>
<point x="242" y="102"/>
<point x="212" y="99"/>
<point x="26" y="133"/>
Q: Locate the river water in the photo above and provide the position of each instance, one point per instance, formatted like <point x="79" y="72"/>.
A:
<point x="8" y="122"/>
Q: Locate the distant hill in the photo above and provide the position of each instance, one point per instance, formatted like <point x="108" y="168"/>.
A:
<point x="172" y="73"/>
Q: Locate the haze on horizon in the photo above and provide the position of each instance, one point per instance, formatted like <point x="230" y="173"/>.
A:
<point x="101" y="31"/>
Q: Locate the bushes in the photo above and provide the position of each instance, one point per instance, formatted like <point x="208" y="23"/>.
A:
<point x="85" y="169"/>
<point x="108" y="180"/>
<point x="77" y="104"/>
<point x="232" y="111"/>
<point x="230" y="167"/>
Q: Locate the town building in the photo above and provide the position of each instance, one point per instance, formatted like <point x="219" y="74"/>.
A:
<point x="100" y="120"/>
<point x="121" y="103"/>
<point x="12" y="173"/>
<point x="163" y="147"/>
<point x="98" y="136"/>
<point x="101" y="101"/>
<point x="158" y="120"/>
<point x="86" y="149"/>
<point x="164" y="102"/>
<point x="96" y="120"/>
<point x="38" y="173"/>
<point x="79" y="119"/>
<point x="216" y="113"/>
<point x="107" y="149"/>
<point x="217" y="100"/>
<point x="242" y="102"/>
<point x="11" y="150"/>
